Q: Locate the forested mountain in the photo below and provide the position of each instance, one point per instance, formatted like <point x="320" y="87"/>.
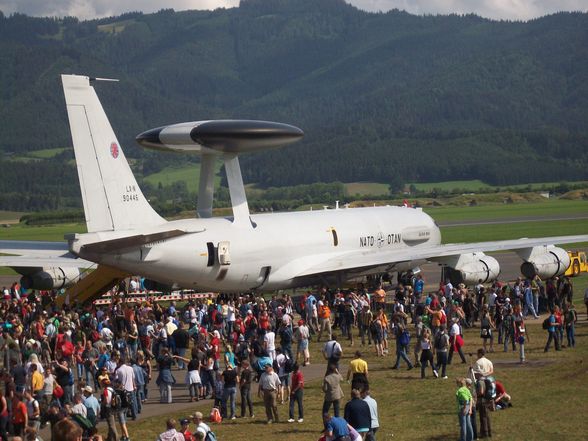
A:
<point x="388" y="97"/>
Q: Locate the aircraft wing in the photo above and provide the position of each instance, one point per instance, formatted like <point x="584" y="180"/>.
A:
<point x="38" y="254"/>
<point x="374" y="257"/>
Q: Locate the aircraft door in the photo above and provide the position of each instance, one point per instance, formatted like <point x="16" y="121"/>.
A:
<point x="224" y="254"/>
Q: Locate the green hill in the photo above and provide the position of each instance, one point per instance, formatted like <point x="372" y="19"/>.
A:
<point x="382" y="97"/>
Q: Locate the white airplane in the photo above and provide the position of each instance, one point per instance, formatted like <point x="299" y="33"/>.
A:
<point x="240" y="253"/>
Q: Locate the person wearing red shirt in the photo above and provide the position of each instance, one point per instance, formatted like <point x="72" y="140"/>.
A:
<point x="264" y="322"/>
<point x="502" y="399"/>
<point x="296" y="393"/>
<point x="20" y="418"/>
<point x="215" y="347"/>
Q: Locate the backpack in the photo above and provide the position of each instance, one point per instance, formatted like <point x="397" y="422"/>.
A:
<point x="83" y="422"/>
<point x="546" y="323"/>
<point x="288" y="365"/>
<point x="115" y="402"/>
<point x="91" y="415"/>
<point x="404" y="338"/>
<point x="215" y="415"/>
<point x="210" y="436"/>
<point x="490" y="389"/>
<point x="440" y="341"/>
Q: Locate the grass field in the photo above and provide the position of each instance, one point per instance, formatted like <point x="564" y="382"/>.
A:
<point x="10" y="216"/>
<point x="482" y="233"/>
<point x="548" y="396"/>
<point x="476" y="185"/>
<point x="45" y="232"/>
<point x="549" y="207"/>
<point x="366" y="188"/>
<point x="189" y="174"/>
<point x="46" y="153"/>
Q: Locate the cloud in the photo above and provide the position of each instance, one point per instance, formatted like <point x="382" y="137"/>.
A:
<point x="87" y="9"/>
<point x="498" y="9"/>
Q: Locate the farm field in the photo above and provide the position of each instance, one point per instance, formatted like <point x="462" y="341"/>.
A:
<point x="482" y="233"/>
<point x="367" y="188"/>
<point x="189" y="174"/>
<point x="476" y="185"/>
<point x="551" y="207"/>
<point x="412" y="409"/>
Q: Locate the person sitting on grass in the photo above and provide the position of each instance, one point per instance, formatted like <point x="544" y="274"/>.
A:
<point x="171" y="434"/>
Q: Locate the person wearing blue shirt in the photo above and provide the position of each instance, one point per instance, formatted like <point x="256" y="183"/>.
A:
<point x="336" y="428"/>
<point x="92" y="403"/>
<point x="551" y="330"/>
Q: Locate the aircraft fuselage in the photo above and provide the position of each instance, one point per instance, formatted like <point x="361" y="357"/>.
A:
<point x="274" y="250"/>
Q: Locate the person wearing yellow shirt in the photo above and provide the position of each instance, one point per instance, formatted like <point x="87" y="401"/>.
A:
<point x="358" y="371"/>
<point x="36" y="381"/>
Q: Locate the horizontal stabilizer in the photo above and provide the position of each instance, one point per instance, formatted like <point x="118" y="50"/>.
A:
<point x="34" y="261"/>
<point x="93" y="286"/>
<point x="108" y="246"/>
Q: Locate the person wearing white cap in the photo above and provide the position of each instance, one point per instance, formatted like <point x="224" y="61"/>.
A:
<point x="91" y="403"/>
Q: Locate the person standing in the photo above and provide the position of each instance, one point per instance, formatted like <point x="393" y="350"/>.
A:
<point x="332" y="389"/>
<point x="125" y="374"/>
<point x="358" y="372"/>
<point x="269" y="385"/>
<point x="296" y="394"/>
<point x="455" y="341"/>
<point x="245" y="378"/>
<point x="427" y="353"/>
<point x="402" y="341"/>
<point x="230" y="380"/>
<point x="332" y="351"/>
<point x="570" y="319"/>
<point x="464" y="410"/>
<point x="165" y="379"/>
<point x="357" y="413"/>
<point x="442" y="343"/>
<point x="302" y="335"/>
<point x="324" y="316"/>
<point x="552" y="331"/>
<point x="373" y="405"/>
<point x="520" y="334"/>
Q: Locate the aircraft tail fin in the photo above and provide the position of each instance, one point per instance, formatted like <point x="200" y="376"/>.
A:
<point x="110" y="193"/>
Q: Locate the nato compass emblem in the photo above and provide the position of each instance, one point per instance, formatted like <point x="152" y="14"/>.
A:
<point x="114" y="150"/>
<point x="380" y="239"/>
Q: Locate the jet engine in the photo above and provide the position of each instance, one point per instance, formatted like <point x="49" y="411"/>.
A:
<point x="470" y="268"/>
<point x="545" y="262"/>
<point x="50" y="278"/>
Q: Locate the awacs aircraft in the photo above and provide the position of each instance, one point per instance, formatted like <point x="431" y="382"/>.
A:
<point x="239" y="253"/>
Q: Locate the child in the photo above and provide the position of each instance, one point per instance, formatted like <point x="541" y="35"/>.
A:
<point x="185" y="430"/>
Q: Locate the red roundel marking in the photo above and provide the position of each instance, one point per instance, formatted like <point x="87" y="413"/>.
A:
<point x="114" y="150"/>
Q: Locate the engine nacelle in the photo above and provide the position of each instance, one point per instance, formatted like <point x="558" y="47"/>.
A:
<point x="545" y="262"/>
<point x="154" y="285"/>
<point x="50" y="278"/>
<point x="471" y="267"/>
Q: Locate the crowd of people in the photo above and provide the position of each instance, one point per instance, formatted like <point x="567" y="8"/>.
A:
<point x="90" y="363"/>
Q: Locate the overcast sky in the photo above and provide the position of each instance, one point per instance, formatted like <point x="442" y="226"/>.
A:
<point x="499" y="9"/>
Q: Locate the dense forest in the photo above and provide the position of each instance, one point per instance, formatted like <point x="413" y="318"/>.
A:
<point x="383" y="97"/>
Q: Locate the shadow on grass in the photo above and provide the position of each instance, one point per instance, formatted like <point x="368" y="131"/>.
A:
<point x="442" y="437"/>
